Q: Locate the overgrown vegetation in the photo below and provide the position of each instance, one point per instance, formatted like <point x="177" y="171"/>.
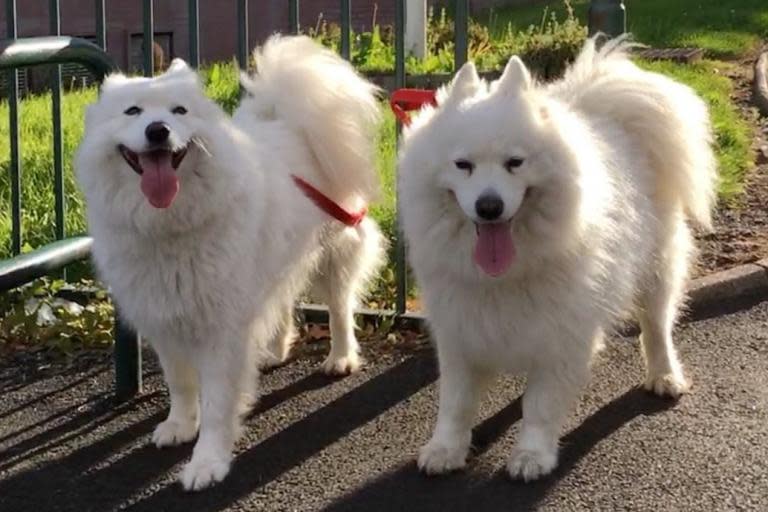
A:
<point x="546" y="46"/>
<point x="36" y="315"/>
<point x="726" y="29"/>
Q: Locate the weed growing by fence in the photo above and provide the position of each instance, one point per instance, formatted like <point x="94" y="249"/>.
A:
<point x="547" y="46"/>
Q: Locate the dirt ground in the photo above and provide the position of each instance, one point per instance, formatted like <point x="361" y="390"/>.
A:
<point x="741" y="229"/>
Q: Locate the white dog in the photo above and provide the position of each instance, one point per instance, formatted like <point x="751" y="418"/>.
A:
<point x="206" y="238"/>
<point x="535" y="216"/>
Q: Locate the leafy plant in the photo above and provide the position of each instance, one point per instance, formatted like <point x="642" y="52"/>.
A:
<point x="546" y="47"/>
<point x="36" y="315"/>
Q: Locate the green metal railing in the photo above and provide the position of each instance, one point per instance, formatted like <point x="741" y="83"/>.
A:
<point x="606" y="16"/>
<point x="16" y="53"/>
<point x="401" y="267"/>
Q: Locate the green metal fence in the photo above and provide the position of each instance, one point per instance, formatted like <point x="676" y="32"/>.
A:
<point x="607" y="16"/>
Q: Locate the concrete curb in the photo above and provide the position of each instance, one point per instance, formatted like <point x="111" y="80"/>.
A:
<point x="730" y="287"/>
<point x="760" y="84"/>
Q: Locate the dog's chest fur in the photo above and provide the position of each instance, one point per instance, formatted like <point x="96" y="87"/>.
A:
<point x="195" y="279"/>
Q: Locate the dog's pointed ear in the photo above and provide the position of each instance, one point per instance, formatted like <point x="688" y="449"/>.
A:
<point x="179" y="66"/>
<point x="113" y="81"/>
<point x="515" y="77"/>
<point x="180" y="70"/>
<point x="465" y="84"/>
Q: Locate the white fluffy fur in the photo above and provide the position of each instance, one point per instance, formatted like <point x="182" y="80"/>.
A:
<point x="615" y="159"/>
<point x="211" y="281"/>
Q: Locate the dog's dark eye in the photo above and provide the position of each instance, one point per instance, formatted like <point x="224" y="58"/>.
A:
<point x="464" y="165"/>
<point x="132" y="111"/>
<point x="179" y="110"/>
<point x="513" y="163"/>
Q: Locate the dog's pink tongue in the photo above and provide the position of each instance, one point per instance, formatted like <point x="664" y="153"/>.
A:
<point x="158" y="179"/>
<point x="495" y="250"/>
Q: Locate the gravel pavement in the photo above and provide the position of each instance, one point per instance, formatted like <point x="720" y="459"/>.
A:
<point x="315" y="443"/>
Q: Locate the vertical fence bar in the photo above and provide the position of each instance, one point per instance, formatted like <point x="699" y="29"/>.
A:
<point x="194" y="34"/>
<point x="401" y="269"/>
<point x="13" y="119"/>
<point x="242" y="33"/>
<point x="293" y="16"/>
<point x="101" y="24"/>
<point x="127" y="350"/>
<point x="346" y="22"/>
<point x="461" y="22"/>
<point x="148" y="38"/>
<point x="54" y="15"/>
<point x="399" y="44"/>
<point x="127" y="356"/>
<point x="608" y="17"/>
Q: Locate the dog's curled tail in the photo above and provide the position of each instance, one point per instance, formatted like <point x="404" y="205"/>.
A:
<point x="321" y="96"/>
<point x="666" y="118"/>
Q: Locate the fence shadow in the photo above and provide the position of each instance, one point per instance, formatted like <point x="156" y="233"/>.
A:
<point x="104" y="484"/>
<point x="8" y="387"/>
<point x="290" y="447"/>
<point x="114" y="482"/>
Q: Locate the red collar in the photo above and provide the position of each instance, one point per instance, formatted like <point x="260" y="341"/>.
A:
<point x="405" y="100"/>
<point x="328" y="205"/>
<point x="402" y="101"/>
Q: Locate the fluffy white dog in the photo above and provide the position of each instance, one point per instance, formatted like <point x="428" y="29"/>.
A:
<point x="535" y="216"/>
<point x="205" y="237"/>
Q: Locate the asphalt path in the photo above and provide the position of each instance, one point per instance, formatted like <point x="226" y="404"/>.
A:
<point x="315" y="443"/>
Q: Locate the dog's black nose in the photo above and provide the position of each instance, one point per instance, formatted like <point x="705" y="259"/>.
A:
<point x="489" y="206"/>
<point x="157" y="132"/>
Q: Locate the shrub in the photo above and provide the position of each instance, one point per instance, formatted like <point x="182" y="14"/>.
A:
<point x="546" y="47"/>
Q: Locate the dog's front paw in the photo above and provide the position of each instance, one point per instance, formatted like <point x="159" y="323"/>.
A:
<point x="342" y="365"/>
<point x="530" y="464"/>
<point x="437" y="457"/>
<point x="204" y="471"/>
<point x="671" y="385"/>
<point x="174" y="432"/>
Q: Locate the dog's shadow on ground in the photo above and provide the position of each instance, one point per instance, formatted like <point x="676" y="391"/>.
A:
<point x="406" y="489"/>
<point x="104" y="486"/>
<point x="112" y="484"/>
<point x="290" y="447"/>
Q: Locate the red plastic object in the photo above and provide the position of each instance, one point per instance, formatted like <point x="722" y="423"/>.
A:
<point x="328" y="205"/>
<point x="403" y="101"/>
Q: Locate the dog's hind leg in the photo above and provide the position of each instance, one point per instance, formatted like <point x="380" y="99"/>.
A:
<point x="280" y="345"/>
<point x="658" y="311"/>
<point x="180" y="377"/>
<point x="352" y="257"/>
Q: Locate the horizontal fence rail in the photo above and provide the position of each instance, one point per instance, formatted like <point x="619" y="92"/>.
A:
<point x="607" y="16"/>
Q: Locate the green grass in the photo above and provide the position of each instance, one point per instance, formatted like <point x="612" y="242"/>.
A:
<point x="36" y="137"/>
<point x="724" y="28"/>
<point x="386" y="156"/>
